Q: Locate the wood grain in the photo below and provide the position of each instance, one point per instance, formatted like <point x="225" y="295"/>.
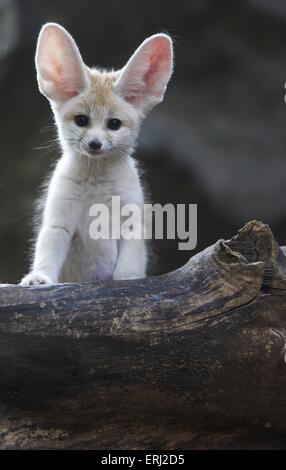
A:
<point x="191" y="359"/>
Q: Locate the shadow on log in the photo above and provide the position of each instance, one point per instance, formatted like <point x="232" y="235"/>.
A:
<point x="191" y="359"/>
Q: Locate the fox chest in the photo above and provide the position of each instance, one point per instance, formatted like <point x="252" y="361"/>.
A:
<point x="97" y="214"/>
<point x="93" y="256"/>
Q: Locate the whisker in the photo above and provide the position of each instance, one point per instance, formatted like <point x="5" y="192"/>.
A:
<point x="49" y="128"/>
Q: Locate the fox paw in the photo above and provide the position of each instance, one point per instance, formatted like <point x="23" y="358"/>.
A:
<point x="35" y="278"/>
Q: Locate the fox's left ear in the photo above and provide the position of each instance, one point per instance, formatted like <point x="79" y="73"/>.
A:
<point x="143" y="80"/>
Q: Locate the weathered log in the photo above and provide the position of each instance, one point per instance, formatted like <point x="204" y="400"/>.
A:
<point x="191" y="359"/>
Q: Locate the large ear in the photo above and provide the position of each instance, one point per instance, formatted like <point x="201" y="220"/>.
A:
<point x="61" y="72"/>
<point x="144" y="78"/>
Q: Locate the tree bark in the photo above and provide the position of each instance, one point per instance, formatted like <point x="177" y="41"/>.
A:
<point x="191" y="359"/>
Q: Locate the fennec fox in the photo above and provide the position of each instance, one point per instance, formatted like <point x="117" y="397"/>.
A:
<point x="98" y="114"/>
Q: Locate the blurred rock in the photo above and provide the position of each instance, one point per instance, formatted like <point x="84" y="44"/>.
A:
<point x="9" y="29"/>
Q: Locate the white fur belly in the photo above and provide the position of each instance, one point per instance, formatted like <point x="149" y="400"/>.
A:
<point x="89" y="260"/>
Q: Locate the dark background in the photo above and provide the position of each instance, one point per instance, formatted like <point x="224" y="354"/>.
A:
<point x="218" y="139"/>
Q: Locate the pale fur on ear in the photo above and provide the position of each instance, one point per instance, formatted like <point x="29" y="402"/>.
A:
<point x="144" y="79"/>
<point x="61" y="72"/>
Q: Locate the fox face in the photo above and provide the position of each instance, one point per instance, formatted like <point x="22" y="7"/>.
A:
<point x="98" y="122"/>
<point x="98" y="113"/>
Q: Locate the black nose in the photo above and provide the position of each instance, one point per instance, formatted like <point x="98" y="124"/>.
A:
<point x="95" y="144"/>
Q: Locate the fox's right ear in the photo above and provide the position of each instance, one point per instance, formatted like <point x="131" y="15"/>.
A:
<point x="61" y="72"/>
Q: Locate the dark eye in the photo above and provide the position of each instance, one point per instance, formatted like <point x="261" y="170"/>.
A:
<point x="114" y="124"/>
<point x="81" y="120"/>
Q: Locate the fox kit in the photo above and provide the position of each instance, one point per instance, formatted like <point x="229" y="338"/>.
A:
<point x="98" y="115"/>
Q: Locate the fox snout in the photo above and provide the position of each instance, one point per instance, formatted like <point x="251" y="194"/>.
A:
<point x="95" y="144"/>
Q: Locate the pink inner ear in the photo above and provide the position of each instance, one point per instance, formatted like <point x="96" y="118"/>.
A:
<point x="71" y="94"/>
<point x="60" y="83"/>
<point x="158" y="65"/>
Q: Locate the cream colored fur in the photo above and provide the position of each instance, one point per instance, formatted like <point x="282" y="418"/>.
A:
<point x="64" y="250"/>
